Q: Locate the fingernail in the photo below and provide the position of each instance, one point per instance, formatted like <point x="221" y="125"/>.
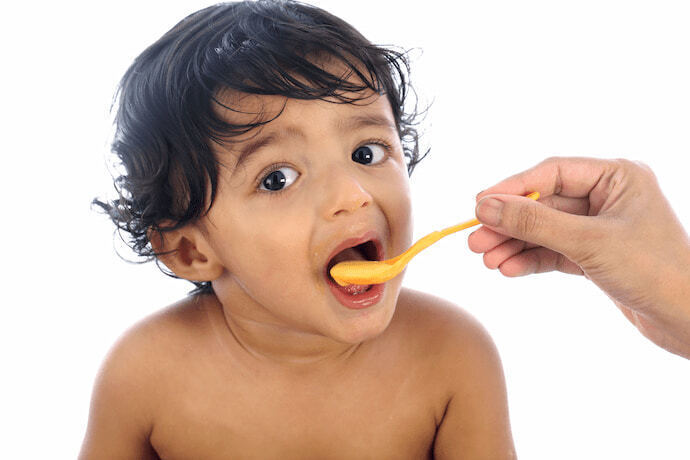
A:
<point x="489" y="211"/>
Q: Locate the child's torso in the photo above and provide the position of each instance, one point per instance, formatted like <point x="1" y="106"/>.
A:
<point x="389" y="406"/>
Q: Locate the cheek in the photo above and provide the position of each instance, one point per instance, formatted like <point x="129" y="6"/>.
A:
<point x="399" y="209"/>
<point x="278" y="275"/>
<point x="274" y="251"/>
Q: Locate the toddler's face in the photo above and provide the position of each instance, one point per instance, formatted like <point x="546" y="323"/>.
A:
<point x="279" y="215"/>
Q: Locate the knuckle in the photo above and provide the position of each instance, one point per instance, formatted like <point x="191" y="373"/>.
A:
<point x="631" y="165"/>
<point x="595" y="241"/>
<point x="642" y="165"/>
<point x="552" y="160"/>
<point x="527" y="220"/>
<point x="624" y="164"/>
<point x="645" y="169"/>
<point x="636" y="169"/>
<point x="488" y="262"/>
<point x="561" y="262"/>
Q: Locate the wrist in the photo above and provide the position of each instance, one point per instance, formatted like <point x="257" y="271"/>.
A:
<point x="675" y="303"/>
<point x="683" y="298"/>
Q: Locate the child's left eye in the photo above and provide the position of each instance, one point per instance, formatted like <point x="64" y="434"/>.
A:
<point x="365" y="153"/>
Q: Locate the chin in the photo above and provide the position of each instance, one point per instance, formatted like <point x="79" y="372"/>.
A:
<point x="365" y="327"/>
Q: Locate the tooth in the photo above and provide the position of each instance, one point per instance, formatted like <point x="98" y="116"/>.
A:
<point x="354" y="289"/>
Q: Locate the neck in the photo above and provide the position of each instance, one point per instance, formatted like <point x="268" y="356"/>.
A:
<point x="264" y="339"/>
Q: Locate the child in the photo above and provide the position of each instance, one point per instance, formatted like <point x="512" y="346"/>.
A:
<point x="263" y="142"/>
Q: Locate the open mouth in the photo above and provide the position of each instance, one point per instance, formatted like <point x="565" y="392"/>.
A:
<point x="369" y="250"/>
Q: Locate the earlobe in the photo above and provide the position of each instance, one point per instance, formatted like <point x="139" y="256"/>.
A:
<point x="186" y="253"/>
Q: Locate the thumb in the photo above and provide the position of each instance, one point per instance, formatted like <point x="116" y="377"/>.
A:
<point x="527" y="220"/>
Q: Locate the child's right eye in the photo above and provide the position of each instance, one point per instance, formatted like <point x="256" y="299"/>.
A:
<point x="277" y="178"/>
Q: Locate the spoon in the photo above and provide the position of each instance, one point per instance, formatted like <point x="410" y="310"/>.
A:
<point x="379" y="271"/>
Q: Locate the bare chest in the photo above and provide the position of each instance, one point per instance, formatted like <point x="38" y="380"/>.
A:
<point x="380" y="415"/>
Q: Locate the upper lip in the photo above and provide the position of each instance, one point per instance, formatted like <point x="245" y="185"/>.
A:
<point x="371" y="235"/>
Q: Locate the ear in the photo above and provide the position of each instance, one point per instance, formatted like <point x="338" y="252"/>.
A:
<point x="191" y="258"/>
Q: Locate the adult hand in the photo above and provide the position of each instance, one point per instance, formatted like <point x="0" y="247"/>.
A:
<point x="605" y="219"/>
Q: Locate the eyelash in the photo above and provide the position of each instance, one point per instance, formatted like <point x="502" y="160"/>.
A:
<point x="276" y="166"/>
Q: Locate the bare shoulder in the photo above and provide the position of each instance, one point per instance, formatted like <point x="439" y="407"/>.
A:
<point x="444" y="326"/>
<point x="163" y="334"/>
<point x="475" y="421"/>
<point x="125" y="397"/>
<point x="178" y="323"/>
<point x="451" y="338"/>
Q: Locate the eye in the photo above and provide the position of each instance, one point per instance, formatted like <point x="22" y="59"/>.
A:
<point x="370" y="153"/>
<point x="278" y="179"/>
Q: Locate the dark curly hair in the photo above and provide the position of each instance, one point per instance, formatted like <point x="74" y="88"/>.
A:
<point x="166" y="122"/>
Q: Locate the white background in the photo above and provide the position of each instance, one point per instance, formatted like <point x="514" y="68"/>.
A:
<point x="512" y="83"/>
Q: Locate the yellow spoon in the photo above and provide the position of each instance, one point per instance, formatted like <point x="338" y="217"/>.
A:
<point x="380" y="271"/>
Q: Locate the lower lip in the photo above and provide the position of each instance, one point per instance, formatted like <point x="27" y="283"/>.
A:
<point x="359" y="301"/>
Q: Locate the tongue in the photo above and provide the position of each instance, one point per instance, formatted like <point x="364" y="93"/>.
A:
<point x="351" y="254"/>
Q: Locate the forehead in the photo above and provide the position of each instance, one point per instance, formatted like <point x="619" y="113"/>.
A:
<point x="289" y="118"/>
<point x="244" y="109"/>
<point x="240" y="108"/>
<point x="260" y="120"/>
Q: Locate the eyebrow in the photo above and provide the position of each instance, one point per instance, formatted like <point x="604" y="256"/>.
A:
<point x="343" y="125"/>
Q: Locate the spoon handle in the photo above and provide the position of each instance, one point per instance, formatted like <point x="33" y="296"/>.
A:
<point x="433" y="237"/>
<point x="471" y="223"/>
<point x="430" y="239"/>
<point x="457" y="228"/>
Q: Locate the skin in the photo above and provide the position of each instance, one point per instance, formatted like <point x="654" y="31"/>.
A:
<point x="271" y="365"/>
<point x="605" y="219"/>
<point x="278" y="289"/>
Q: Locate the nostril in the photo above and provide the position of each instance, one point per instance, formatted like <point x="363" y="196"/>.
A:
<point x="347" y="195"/>
<point x="351" y="208"/>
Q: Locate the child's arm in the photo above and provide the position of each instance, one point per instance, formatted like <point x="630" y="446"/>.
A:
<point x="475" y="424"/>
<point x="120" y="416"/>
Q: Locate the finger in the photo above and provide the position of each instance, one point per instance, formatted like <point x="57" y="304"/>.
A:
<point x="571" y="177"/>
<point x="579" y="206"/>
<point x="538" y="260"/>
<point x="484" y="239"/>
<point x="527" y="220"/>
<point x="496" y="256"/>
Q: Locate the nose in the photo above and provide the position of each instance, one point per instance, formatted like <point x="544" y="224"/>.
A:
<point x="345" y="195"/>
